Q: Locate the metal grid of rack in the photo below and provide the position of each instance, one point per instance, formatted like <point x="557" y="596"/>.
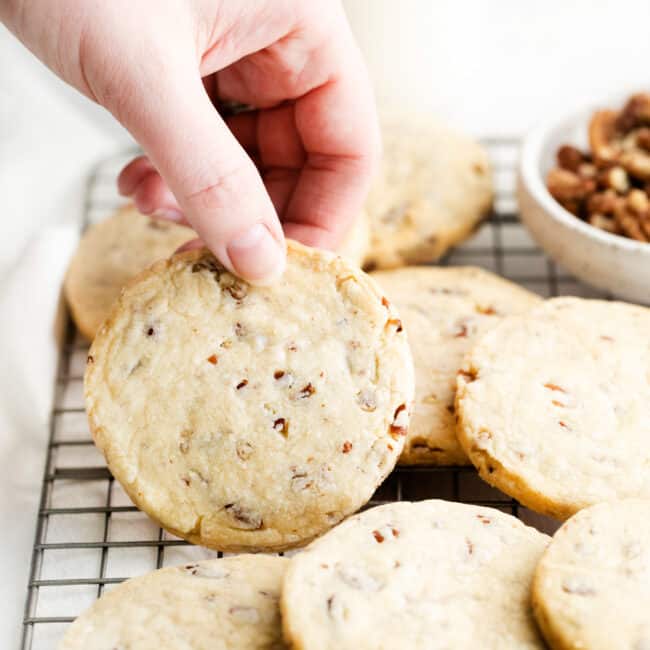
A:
<point x="89" y="536"/>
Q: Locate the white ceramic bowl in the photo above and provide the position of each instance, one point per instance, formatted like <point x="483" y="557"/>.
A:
<point x="606" y="261"/>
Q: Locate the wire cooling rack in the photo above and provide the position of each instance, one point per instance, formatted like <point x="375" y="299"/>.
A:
<point x="89" y="536"/>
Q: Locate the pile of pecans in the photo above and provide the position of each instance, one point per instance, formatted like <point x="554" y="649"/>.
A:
<point x="609" y="188"/>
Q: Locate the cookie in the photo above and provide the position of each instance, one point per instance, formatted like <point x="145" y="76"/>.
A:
<point x="110" y="253"/>
<point x="243" y="417"/>
<point x="444" y="311"/>
<point x="433" y="189"/>
<point x="592" y="586"/>
<point x="227" y="604"/>
<point x="554" y="405"/>
<point x="410" y="576"/>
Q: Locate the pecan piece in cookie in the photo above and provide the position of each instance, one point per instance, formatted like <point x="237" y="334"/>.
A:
<point x="244" y="518"/>
<point x="367" y="400"/>
<point x="281" y="425"/>
<point x="306" y="391"/>
<point x="400" y="422"/>
<point x="244" y="614"/>
<point x="244" y="449"/>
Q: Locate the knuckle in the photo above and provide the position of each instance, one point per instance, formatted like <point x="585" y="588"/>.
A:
<point x="218" y="192"/>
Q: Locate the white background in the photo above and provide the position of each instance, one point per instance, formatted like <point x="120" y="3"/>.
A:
<point x="490" y="67"/>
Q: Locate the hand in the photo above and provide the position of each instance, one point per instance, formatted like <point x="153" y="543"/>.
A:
<point x="305" y="157"/>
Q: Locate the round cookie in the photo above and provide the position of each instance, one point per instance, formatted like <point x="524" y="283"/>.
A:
<point x="444" y="311"/>
<point x="227" y="604"/>
<point x="554" y="405"/>
<point x="245" y="417"/>
<point x="410" y="576"/>
<point x="592" y="585"/>
<point x="433" y="189"/>
<point x="110" y="253"/>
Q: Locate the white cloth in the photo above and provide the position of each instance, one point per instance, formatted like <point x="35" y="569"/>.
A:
<point x="49" y="139"/>
<point x="490" y="67"/>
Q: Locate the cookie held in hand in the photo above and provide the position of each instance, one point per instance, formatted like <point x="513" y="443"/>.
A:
<point x="244" y="417"/>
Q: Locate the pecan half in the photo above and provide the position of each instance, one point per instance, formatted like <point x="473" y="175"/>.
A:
<point x="565" y="186"/>
<point x="637" y="163"/>
<point x="603" y="129"/>
<point x="603" y="203"/>
<point x="636" y="112"/>
<point x="608" y="224"/>
<point x="642" y="138"/>
<point x="614" y="178"/>
<point x="570" y="158"/>
<point x="633" y="215"/>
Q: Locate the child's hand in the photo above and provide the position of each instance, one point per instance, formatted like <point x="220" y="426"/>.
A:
<point x="314" y="137"/>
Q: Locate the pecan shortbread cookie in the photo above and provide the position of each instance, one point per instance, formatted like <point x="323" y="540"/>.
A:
<point x="594" y="578"/>
<point x="433" y="189"/>
<point x="227" y="604"/>
<point x="415" y="576"/>
<point x="445" y="310"/>
<point x="110" y="253"/>
<point x="245" y="417"/>
<point x="554" y="405"/>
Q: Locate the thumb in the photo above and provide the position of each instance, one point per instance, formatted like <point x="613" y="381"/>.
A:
<point x="214" y="181"/>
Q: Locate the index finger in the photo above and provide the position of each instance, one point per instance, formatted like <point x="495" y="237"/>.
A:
<point x="337" y="123"/>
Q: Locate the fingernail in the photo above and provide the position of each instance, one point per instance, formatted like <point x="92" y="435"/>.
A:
<point x="256" y="255"/>
<point x="169" y="214"/>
